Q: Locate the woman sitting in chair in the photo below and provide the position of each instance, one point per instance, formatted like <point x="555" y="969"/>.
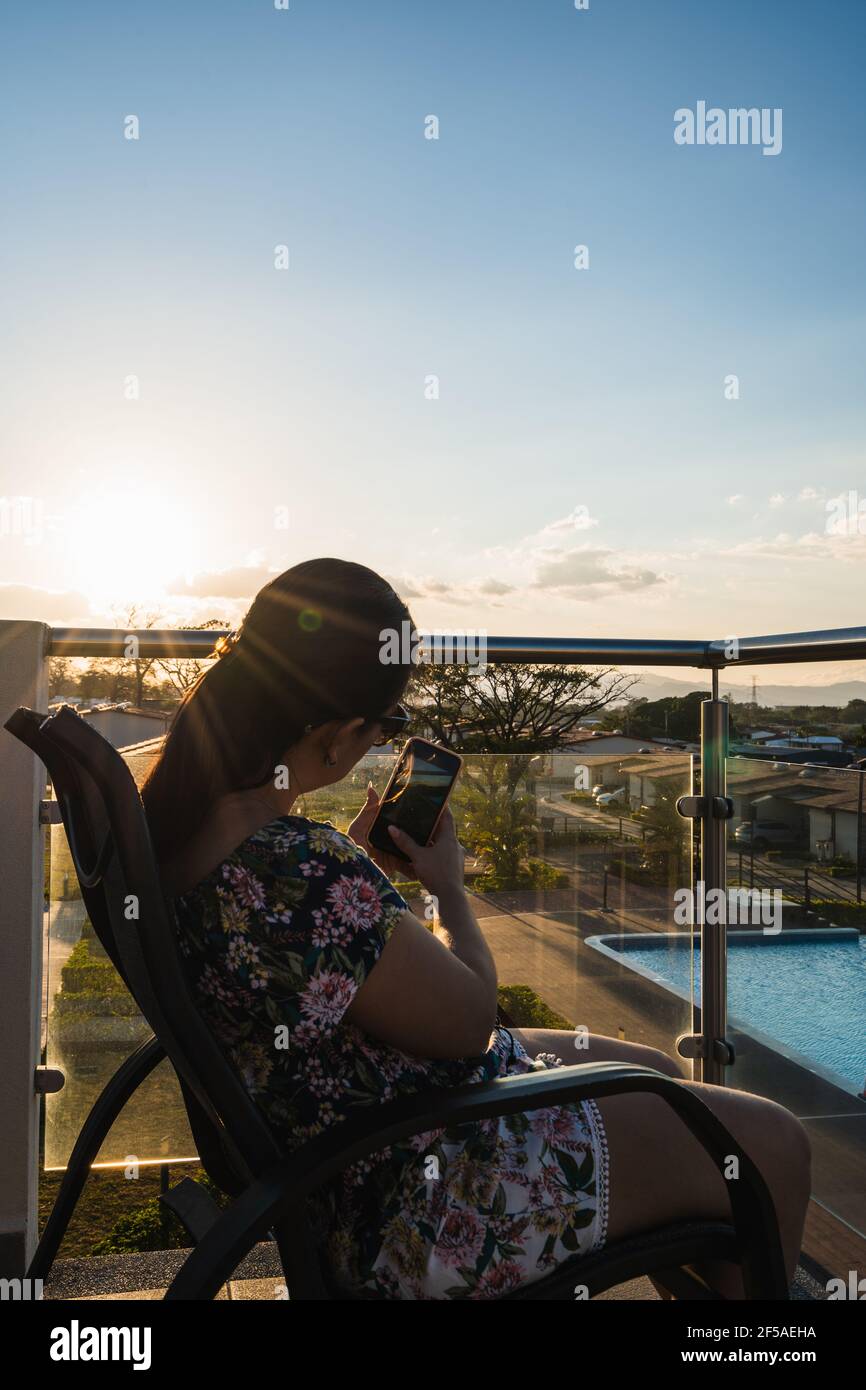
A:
<point x="327" y="993"/>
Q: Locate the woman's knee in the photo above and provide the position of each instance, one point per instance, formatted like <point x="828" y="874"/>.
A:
<point x="596" y="1047"/>
<point x="771" y="1136"/>
<point x="603" y="1049"/>
<point x="759" y="1121"/>
<point x="653" y="1057"/>
<point x="648" y="1143"/>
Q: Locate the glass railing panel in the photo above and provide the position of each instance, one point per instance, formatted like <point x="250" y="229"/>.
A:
<point x="576" y="898"/>
<point x="797" y="979"/>
<point x="573" y="864"/>
<point x="92" y="1025"/>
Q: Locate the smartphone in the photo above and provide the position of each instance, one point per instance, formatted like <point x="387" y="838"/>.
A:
<point x="416" y="795"/>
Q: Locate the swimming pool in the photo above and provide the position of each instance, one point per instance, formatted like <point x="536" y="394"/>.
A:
<point x="801" y="992"/>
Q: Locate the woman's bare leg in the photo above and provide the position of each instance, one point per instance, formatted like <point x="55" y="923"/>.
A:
<point x="647" y="1143"/>
<point x="595" y="1047"/>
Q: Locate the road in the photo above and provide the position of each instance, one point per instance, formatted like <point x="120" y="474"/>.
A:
<point x="590" y="816"/>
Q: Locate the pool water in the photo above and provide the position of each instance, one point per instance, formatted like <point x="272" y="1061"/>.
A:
<point x="809" y="996"/>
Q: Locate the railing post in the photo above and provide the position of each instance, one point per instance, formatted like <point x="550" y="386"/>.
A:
<point x="860" y="776"/>
<point x="706" y="1045"/>
<point x="23" y="681"/>
<point x="714" y="754"/>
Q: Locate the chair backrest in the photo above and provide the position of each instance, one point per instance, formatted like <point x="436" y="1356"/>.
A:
<point x="107" y="831"/>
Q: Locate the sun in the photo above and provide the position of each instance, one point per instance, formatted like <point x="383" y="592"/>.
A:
<point x="126" y="544"/>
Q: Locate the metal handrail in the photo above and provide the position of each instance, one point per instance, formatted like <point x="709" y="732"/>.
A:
<point x="836" y="644"/>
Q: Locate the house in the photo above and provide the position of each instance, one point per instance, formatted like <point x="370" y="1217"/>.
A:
<point x="123" y="725"/>
<point x="643" y="774"/>
<point x="828" y="742"/>
<point x="639" y="773"/>
<point x="771" y="791"/>
<point x="820" y="803"/>
<point x="833" y="818"/>
<point x="586" y="747"/>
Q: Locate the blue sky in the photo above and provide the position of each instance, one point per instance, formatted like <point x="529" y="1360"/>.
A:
<point x="594" y="395"/>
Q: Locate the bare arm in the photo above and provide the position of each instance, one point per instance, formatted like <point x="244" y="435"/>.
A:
<point x="432" y="994"/>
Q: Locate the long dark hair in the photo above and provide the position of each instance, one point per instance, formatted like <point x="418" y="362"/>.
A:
<point x="308" y="650"/>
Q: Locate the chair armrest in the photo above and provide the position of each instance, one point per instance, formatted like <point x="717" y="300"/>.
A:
<point x="281" y="1193"/>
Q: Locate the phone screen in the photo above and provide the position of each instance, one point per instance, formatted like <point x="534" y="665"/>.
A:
<point x="414" y="798"/>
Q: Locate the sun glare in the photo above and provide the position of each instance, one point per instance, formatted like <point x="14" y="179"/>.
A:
<point x="127" y="544"/>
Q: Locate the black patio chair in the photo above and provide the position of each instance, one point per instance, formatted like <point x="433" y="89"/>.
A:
<point x="108" y="837"/>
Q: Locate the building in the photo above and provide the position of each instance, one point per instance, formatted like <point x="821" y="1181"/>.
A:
<point x="587" y="748"/>
<point x="123" y="725"/>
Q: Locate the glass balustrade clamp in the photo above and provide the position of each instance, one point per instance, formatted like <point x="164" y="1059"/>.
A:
<point x="47" y="1081"/>
<point x="695" y="807"/>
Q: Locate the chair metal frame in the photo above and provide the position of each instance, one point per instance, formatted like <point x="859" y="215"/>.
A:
<point x="108" y="836"/>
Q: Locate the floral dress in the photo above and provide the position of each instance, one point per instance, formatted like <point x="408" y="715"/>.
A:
<point x="276" y="941"/>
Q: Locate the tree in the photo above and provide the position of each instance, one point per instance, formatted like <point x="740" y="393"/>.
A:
<point x="180" y="671"/>
<point x="497" y="814"/>
<point x="62" y="677"/>
<point x="662" y="821"/>
<point x="853" y="713"/>
<point x="515" y="710"/>
<point x="136" y="668"/>
<point x="509" y="708"/>
<point x="675" y="716"/>
<point x="665" y="832"/>
<point x="626" y="718"/>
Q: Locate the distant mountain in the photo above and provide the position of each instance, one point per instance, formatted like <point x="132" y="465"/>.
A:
<point x="659" y="687"/>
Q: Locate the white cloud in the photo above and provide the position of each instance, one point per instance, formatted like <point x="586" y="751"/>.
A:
<point x="577" y="520"/>
<point x="239" y="582"/>
<point x="495" y="587"/>
<point x="28" y="603"/>
<point x="813" y="545"/>
<point x="590" y="572"/>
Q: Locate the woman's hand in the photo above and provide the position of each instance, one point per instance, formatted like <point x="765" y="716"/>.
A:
<point x="359" y="830"/>
<point x="438" y="865"/>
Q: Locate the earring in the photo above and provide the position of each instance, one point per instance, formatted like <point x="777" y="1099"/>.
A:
<point x="331" y="762"/>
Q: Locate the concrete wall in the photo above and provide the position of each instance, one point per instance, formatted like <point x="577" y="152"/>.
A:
<point x="23" y="681"/>
<point x="123" y="727"/>
<point x="845" y="837"/>
<point x="846" y="834"/>
<point x="820" y="828"/>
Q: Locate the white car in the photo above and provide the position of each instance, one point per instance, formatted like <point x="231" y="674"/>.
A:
<point x="608" y="798"/>
<point x="597" y="790"/>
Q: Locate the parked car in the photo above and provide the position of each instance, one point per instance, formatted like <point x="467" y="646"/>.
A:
<point x="769" y="834"/>
<point x="608" y="798"/>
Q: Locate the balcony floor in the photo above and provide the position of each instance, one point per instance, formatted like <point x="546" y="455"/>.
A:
<point x="144" y="1277"/>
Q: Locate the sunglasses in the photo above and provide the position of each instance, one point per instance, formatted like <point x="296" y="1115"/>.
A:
<point x="392" y="725"/>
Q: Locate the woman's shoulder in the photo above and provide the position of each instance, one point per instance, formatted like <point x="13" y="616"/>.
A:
<point x="293" y="850"/>
<point x="298" y="839"/>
